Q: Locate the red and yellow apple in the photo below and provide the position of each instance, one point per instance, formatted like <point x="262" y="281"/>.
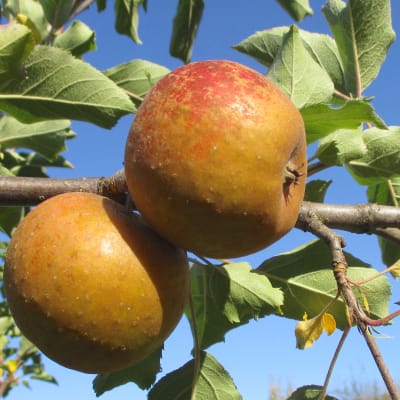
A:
<point x="215" y="159"/>
<point x="91" y="285"/>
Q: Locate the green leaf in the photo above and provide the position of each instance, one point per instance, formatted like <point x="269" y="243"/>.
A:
<point x="298" y="74"/>
<point x="363" y="33"/>
<point x="309" y="392"/>
<point x="26" y="348"/>
<point x="44" y="377"/>
<point x="77" y="39"/>
<point x="387" y="193"/>
<point x="29" y="164"/>
<point x="381" y="158"/>
<point x="186" y="25"/>
<point x="6" y="324"/>
<point x="265" y="45"/>
<point x="306" y="277"/>
<point x="143" y="374"/>
<point x="127" y="18"/>
<point x="57" y="12"/>
<point x="228" y="296"/>
<point x="16" y="42"/>
<point x="101" y="5"/>
<point x="316" y="190"/>
<point x="322" y="119"/>
<point x="57" y="85"/>
<point x="10" y="217"/>
<point x="298" y="9"/>
<point x="136" y="77"/>
<point x="47" y="137"/>
<point x="341" y="146"/>
<point x="213" y="383"/>
<point x="31" y="14"/>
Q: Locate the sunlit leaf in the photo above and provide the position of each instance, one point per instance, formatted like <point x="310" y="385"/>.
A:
<point x="186" y="24"/>
<point x="322" y="119"/>
<point x="16" y="42"/>
<point x="298" y="9"/>
<point x="363" y="33"/>
<point x="77" y="39"/>
<point x="371" y="156"/>
<point x="309" y="392"/>
<point x="137" y="77"/>
<point x="264" y="46"/>
<point x="305" y="276"/>
<point x="381" y="157"/>
<point x="47" y="137"/>
<point x="26" y="348"/>
<point x="29" y="13"/>
<point x="227" y="296"/>
<point x="57" y="85"/>
<point x="298" y="74"/>
<point x="341" y="146"/>
<point x="213" y="383"/>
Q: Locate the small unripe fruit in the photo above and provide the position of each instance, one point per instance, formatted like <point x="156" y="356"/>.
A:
<point x="216" y="159"/>
<point x="91" y="284"/>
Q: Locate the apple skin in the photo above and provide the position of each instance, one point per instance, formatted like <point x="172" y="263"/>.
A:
<point x="207" y="155"/>
<point x="91" y="285"/>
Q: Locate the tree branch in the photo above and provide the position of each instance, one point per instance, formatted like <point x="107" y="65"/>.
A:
<point x="26" y="191"/>
<point x="358" y="218"/>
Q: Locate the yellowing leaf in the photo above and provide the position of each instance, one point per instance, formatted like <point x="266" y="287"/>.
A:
<point x="309" y="330"/>
<point x="395" y="269"/>
<point x="329" y="323"/>
<point x="11" y="366"/>
<point x="365" y="302"/>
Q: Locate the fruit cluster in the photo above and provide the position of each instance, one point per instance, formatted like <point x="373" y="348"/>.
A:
<point x="215" y="163"/>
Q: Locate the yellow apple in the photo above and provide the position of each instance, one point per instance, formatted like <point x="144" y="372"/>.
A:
<point x="91" y="285"/>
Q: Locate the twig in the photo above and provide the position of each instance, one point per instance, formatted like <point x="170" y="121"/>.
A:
<point x="79" y="7"/>
<point x="333" y="362"/>
<point x="380" y="363"/>
<point x="315" y="167"/>
<point x="197" y="349"/>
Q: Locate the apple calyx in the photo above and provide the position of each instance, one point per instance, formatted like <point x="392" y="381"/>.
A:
<point x="292" y="173"/>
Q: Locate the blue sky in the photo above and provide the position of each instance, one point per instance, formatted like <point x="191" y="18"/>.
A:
<point x="263" y="351"/>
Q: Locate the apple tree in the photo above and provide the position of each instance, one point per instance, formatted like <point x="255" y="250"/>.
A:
<point x="45" y="84"/>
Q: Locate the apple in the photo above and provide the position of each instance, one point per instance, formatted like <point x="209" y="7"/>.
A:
<point x="92" y="285"/>
<point x="215" y="159"/>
